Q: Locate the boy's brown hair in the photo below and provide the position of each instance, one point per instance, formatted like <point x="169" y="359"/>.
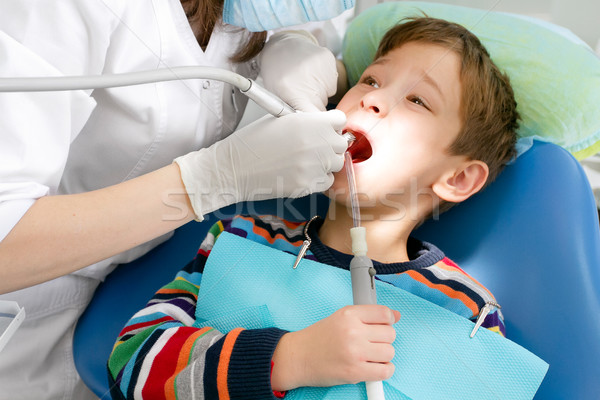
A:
<point x="488" y="107"/>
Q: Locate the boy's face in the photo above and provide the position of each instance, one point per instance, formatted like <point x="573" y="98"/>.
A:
<point x="406" y="105"/>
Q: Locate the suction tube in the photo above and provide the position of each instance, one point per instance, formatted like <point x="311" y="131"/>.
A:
<point x="362" y="273"/>
<point x="362" y="276"/>
<point x="265" y="99"/>
<point x="352" y="189"/>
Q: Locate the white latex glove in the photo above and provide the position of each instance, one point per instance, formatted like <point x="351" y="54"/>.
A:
<point x="290" y="156"/>
<point x="298" y="70"/>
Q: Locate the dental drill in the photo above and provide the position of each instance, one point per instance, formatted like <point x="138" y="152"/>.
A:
<point x="265" y="99"/>
<point x="362" y="273"/>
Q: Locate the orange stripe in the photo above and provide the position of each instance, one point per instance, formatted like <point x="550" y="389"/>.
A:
<point x="171" y="291"/>
<point x="182" y="362"/>
<point x="448" y="291"/>
<point x="271" y="239"/>
<point x="266" y="234"/>
<point x="224" y="363"/>
<point x="292" y="225"/>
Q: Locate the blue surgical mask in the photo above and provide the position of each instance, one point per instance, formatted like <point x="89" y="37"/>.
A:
<point x="263" y="15"/>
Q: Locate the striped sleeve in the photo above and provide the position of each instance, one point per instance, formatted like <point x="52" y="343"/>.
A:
<point x="451" y="277"/>
<point x="159" y="354"/>
<point x="447" y="285"/>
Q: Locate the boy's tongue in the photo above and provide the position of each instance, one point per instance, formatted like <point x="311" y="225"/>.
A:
<point x="360" y="149"/>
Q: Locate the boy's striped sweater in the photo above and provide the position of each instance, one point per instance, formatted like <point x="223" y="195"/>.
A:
<point x="160" y="355"/>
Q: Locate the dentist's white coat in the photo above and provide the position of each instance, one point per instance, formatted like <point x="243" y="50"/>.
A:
<point x="71" y="142"/>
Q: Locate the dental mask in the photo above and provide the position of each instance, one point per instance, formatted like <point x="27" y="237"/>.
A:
<point x="263" y="15"/>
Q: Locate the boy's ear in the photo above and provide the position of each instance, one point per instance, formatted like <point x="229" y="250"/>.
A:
<point x="462" y="182"/>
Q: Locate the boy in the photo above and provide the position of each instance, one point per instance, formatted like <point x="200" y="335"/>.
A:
<point x="434" y="122"/>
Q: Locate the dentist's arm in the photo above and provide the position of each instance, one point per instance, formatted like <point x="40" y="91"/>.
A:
<point x="61" y="234"/>
<point x="290" y="156"/>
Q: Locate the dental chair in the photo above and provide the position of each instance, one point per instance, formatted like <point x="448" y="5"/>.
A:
<point x="532" y="237"/>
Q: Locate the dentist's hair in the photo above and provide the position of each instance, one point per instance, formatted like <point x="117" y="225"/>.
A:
<point x="204" y="15"/>
<point x="488" y="107"/>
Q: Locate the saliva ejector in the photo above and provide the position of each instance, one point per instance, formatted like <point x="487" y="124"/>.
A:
<point x="362" y="272"/>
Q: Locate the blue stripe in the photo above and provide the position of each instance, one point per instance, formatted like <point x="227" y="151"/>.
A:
<point x="194" y="277"/>
<point x="406" y="282"/>
<point x="146" y="318"/>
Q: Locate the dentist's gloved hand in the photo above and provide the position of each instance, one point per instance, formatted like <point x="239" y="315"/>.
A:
<point x="290" y="156"/>
<point x="298" y="70"/>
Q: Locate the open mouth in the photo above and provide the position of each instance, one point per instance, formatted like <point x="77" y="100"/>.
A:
<point x="360" y="149"/>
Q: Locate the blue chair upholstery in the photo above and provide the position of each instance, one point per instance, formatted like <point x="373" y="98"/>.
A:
<point x="532" y="237"/>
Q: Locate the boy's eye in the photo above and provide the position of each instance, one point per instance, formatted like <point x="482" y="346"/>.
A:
<point x="418" y="100"/>
<point x="369" y="80"/>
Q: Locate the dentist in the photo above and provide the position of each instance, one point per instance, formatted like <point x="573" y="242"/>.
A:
<point x="87" y="178"/>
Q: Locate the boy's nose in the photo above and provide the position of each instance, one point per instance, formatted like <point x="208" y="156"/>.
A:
<point x="373" y="103"/>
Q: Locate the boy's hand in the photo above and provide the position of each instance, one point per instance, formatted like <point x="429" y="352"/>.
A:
<point x="352" y="345"/>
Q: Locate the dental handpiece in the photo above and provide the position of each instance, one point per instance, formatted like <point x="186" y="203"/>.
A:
<point x="265" y="99"/>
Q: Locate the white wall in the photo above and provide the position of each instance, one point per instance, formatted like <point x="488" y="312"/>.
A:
<point x="582" y="17"/>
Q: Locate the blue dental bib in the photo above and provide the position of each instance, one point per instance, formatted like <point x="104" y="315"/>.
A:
<point x="251" y="285"/>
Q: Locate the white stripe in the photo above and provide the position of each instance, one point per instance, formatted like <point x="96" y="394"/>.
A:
<point x="168" y="310"/>
<point x="193" y="385"/>
<point x="461" y="278"/>
<point x="277" y="223"/>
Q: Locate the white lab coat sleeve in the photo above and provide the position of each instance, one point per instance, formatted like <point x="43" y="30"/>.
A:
<point x="47" y="38"/>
